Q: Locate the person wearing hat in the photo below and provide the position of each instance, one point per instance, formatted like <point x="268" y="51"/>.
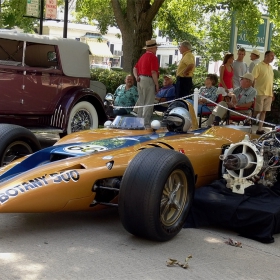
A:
<point x="166" y="93"/>
<point x="146" y="72"/>
<point x="242" y="96"/>
<point x="264" y="75"/>
<point x="185" y="70"/>
<point x="255" y="57"/>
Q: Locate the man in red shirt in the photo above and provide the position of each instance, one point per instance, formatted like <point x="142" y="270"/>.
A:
<point x="146" y="72"/>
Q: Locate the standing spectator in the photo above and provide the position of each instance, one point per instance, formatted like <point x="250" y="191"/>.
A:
<point x="126" y="95"/>
<point x="242" y="96"/>
<point x="185" y="71"/>
<point x="255" y="57"/>
<point x="239" y="67"/>
<point x="146" y="72"/>
<point x="263" y="75"/>
<point x="166" y="93"/>
<point x="226" y="75"/>
<point x="209" y="91"/>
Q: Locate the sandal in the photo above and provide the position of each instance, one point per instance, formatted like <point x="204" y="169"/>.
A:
<point x="260" y="132"/>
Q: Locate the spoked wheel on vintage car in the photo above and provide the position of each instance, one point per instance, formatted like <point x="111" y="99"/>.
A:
<point x="156" y="193"/>
<point x="83" y="116"/>
<point x="16" y="142"/>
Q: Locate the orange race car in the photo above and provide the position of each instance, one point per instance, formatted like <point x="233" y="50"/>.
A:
<point x="149" y="174"/>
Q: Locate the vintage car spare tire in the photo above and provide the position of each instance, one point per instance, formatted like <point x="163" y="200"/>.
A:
<point x="16" y="142"/>
<point x="156" y="193"/>
<point x="83" y="116"/>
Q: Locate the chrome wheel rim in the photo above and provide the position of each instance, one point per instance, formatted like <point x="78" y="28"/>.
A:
<point x="174" y="197"/>
<point x="82" y="120"/>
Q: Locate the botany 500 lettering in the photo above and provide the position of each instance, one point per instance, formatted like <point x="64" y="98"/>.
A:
<point x="57" y="178"/>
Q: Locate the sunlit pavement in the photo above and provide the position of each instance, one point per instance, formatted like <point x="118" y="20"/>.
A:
<point x="83" y="245"/>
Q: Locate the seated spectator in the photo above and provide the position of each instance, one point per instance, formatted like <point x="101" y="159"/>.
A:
<point x="126" y="95"/>
<point x="242" y="96"/>
<point x="209" y="91"/>
<point x="166" y="93"/>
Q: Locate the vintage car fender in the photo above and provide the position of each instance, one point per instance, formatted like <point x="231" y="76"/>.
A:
<point x="63" y="109"/>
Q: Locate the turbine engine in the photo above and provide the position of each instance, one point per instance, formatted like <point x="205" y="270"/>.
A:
<point x="252" y="162"/>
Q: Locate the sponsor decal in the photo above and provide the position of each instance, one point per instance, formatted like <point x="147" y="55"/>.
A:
<point x="56" y="178"/>
<point x="84" y="149"/>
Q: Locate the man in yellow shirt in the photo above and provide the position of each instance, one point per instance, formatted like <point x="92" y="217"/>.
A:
<point x="185" y="70"/>
<point x="263" y="74"/>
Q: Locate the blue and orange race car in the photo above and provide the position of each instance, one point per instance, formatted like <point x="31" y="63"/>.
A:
<point x="149" y="174"/>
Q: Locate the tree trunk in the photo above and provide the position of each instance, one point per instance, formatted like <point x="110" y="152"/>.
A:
<point x="136" y="27"/>
<point x="133" y="43"/>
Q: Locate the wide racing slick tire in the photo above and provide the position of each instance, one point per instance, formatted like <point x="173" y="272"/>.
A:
<point x="16" y="141"/>
<point x="156" y="194"/>
<point x="83" y="116"/>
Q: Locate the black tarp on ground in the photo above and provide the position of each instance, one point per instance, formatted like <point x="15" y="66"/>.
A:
<point x="255" y="214"/>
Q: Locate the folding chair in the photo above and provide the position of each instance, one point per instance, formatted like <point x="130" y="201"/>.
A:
<point x="208" y="113"/>
<point x="239" y="118"/>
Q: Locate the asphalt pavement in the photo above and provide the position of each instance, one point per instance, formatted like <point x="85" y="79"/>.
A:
<point x="84" y="245"/>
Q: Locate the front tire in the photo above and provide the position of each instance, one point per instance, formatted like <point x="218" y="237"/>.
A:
<point x="16" y="142"/>
<point x="83" y="116"/>
<point x="156" y="194"/>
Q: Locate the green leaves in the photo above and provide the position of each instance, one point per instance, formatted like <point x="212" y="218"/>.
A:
<point x="12" y="13"/>
<point x="207" y="23"/>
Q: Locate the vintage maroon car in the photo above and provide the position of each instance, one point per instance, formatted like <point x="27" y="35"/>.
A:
<point x="45" y="82"/>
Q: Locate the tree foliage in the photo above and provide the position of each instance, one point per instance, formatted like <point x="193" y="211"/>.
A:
<point x="209" y="21"/>
<point x="12" y="14"/>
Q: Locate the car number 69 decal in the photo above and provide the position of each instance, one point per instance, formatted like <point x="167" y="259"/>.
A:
<point x="86" y="149"/>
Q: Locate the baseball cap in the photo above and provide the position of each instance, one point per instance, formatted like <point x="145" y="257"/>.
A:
<point x="168" y="76"/>
<point x="256" y="52"/>
<point x="248" y="76"/>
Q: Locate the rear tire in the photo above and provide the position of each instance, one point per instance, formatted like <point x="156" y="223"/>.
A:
<point x="83" y="116"/>
<point x="156" y="194"/>
<point x="16" y="142"/>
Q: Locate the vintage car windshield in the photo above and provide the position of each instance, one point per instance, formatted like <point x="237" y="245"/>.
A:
<point x="122" y="122"/>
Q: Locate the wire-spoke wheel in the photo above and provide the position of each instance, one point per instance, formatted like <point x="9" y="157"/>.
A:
<point x="83" y="116"/>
